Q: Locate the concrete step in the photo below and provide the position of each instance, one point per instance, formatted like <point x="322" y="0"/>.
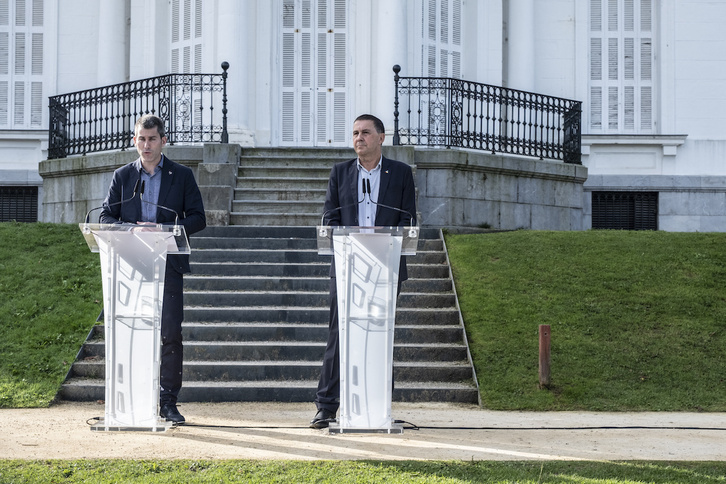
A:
<point x="321" y="268"/>
<point x="314" y="207"/>
<point x="290" y="243"/>
<point x="285" y="371"/>
<point x="282" y="184"/>
<point x="321" y="283"/>
<point x="316" y="195"/>
<point x="278" y="391"/>
<point x="222" y="299"/>
<point x="291" y="231"/>
<point x="295" y="256"/>
<point x="312" y="314"/>
<point x="273" y="219"/>
<point x="299" y="350"/>
<point x="285" y="169"/>
<point x="295" y="155"/>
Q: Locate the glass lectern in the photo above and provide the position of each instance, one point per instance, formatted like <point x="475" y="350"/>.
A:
<point x="133" y="264"/>
<point x="366" y="270"/>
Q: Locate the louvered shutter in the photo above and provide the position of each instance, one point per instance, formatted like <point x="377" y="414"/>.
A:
<point x="441" y="38"/>
<point x="621" y="66"/>
<point x="314" y="75"/>
<point x="186" y="36"/>
<point x="21" y="64"/>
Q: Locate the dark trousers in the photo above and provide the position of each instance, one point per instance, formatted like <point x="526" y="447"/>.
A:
<point x="328" y="395"/>
<point x="172" y="354"/>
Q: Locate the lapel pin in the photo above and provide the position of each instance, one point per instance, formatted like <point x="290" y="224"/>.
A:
<point x="170" y="172"/>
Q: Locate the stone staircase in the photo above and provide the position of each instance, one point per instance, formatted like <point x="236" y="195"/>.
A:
<point x="256" y="310"/>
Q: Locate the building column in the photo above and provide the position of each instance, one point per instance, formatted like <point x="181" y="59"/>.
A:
<point x="520" y="40"/>
<point x="235" y="29"/>
<point x="112" y="49"/>
<point x="390" y="47"/>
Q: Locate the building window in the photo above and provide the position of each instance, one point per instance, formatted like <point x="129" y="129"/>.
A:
<point x="186" y="36"/>
<point x="621" y="83"/>
<point x="440" y="35"/>
<point x="21" y="64"/>
<point x="625" y="210"/>
<point x="19" y="204"/>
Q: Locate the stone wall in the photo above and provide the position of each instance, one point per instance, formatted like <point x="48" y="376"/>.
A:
<point x="461" y="188"/>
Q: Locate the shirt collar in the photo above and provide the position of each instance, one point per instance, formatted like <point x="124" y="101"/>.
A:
<point x="377" y="168"/>
<point x="140" y="167"/>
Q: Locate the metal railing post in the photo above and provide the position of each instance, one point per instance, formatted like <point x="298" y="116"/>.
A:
<point x="225" y="134"/>
<point x="396" y="136"/>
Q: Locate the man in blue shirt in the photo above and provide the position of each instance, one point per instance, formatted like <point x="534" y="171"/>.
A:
<point x="170" y="195"/>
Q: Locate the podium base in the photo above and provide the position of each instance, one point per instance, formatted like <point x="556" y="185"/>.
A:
<point x="162" y="425"/>
<point x="335" y="428"/>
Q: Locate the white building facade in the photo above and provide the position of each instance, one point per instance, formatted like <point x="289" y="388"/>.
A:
<point x="648" y="72"/>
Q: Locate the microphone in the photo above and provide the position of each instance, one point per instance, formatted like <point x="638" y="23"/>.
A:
<point x="368" y="181"/>
<point x="363" y="189"/>
<point x="176" y="229"/>
<point x="136" y="188"/>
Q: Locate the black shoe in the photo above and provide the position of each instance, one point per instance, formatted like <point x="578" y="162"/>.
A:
<point x="170" y="412"/>
<point x="322" y="419"/>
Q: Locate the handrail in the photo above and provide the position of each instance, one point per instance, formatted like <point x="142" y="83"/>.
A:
<point x="103" y="118"/>
<point x="446" y="112"/>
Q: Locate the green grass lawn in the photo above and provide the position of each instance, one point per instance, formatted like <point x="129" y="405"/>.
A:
<point x="50" y="297"/>
<point x="342" y="472"/>
<point x="637" y="318"/>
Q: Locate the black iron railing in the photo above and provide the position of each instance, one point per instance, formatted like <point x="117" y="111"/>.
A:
<point x="445" y="112"/>
<point x="193" y="107"/>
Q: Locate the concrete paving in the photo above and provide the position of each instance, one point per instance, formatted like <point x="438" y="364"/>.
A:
<point x="443" y="431"/>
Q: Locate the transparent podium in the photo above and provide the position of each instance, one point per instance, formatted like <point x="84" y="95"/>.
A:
<point x="133" y="265"/>
<point x="366" y="269"/>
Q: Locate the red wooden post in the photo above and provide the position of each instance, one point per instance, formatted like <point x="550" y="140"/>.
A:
<point x="544" y="355"/>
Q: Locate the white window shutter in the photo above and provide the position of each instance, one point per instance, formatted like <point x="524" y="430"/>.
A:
<point x="20" y="53"/>
<point x="19" y="104"/>
<point x="441" y="38"/>
<point x="5" y="13"/>
<point x="626" y="42"/>
<point x="37" y="13"/>
<point x="314" y="74"/>
<point x="4" y="103"/>
<point x="36" y="104"/>
<point x="186" y="36"/>
<point x="22" y="104"/>
<point x="174" y="21"/>
<point x="4" y="53"/>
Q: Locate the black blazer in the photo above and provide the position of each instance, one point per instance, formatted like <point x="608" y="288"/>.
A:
<point x="178" y="191"/>
<point x="396" y="189"/>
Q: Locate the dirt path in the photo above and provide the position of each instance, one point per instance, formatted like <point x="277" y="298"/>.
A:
<point x="279" y="431"/>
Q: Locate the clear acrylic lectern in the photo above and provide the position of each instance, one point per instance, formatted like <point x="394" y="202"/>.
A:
<point x="366" y="270"/>
<point x="133" y="264"/>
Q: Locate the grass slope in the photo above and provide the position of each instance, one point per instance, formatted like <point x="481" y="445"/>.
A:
<point x="637" y="318"/>
<point x="50" y="296"/>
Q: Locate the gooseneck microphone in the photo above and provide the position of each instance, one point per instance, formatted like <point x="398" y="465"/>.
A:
<point x="176" y="214"/>
<point x="136" y="189"/>
<point x="363" y="189"/>
<point x="367" y="191"/>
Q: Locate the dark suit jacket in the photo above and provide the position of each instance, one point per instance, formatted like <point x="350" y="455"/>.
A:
<point x="178" y="191"/>
<point x="396" y="190"/>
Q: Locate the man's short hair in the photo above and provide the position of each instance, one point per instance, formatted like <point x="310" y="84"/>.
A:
<point x="149" y="121"/>
<point x="377" y="123"/>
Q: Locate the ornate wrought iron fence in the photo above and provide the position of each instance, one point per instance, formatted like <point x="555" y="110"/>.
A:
<point x="103" y="118"/>
<point x="449" y="112"/>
